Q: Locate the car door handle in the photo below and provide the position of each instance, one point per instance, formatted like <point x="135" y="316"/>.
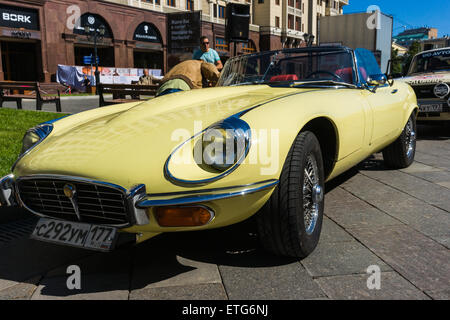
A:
<point x="394" y="91"/>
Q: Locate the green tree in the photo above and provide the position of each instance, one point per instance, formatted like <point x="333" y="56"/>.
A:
<point x="414" y="49"/>
<point x="397" y="62"/>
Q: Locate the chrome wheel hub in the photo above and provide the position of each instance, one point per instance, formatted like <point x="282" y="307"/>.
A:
<point x="312" y="194"/>
<point x="410" y="138"/>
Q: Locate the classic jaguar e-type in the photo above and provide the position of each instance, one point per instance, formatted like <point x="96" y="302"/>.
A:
<point x="263" y="142"/>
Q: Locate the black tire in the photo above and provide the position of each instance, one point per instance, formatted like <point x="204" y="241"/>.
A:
<point x="282" y="228"/>
<point x="400" y="154"/>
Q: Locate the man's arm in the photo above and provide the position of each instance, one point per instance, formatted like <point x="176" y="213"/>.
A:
<point x="217" y="61"/>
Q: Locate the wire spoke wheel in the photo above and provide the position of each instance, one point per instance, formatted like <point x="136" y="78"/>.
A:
<point x="310" y="198"/>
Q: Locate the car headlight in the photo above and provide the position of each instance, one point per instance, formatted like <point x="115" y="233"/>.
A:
<point x="34" y="136"/>
<point x="223" y="145"/>
<point x="210" y="154"/>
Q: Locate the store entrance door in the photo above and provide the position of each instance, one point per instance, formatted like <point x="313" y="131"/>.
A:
<point x="105" y="55"/>
<point x="148" y="59"/>
<point x="19" y="60"/>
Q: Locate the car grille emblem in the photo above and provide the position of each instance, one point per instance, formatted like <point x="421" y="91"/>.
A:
<point x="441" y="90"/>
<point x="71" y="192"/>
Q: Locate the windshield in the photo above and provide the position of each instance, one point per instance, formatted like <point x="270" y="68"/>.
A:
<point x="431" y="62"/>
<point x="301" y="65"/>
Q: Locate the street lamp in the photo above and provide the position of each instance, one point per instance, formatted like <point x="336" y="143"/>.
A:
<point x="309" y="39"/>
<point x="95" y="35"/>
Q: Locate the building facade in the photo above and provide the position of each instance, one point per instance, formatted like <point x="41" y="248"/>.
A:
<point x="407" y="37"/>
<point x="284" y="23"/>
<point x="438" y="43"/>
<point x="37" y="35"/>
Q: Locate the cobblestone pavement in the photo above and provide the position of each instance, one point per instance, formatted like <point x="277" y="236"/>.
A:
<point x="398" y="220"/>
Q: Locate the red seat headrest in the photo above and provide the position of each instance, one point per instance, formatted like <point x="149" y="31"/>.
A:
<point x="284" y="77"/>
<point x="346" y="74"/>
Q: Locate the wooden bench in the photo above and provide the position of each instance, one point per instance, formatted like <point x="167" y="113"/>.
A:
<point x="18" y="90"/>
<point x="121" y="91"/>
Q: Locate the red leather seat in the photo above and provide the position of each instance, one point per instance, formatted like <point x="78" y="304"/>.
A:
<point x="346" y="74"/>
<point x="284" y="77"/>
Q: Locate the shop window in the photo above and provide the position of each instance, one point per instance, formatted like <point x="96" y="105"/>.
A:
<point x="221" y="44"/>
<point x="20" y="61"/>
<point x="248" y="47"/>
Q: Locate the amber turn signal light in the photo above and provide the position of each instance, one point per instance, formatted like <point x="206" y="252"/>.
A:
<point x="183" y="216"/>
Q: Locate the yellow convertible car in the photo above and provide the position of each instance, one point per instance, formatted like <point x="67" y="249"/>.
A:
<point x="263" y="142"/>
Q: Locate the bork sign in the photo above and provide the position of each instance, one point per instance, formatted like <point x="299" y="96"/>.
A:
<point x="17" y="17"/>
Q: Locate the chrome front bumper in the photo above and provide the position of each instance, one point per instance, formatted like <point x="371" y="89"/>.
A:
<point x="7" y="191"/>
<point x="139" y="200"/>
<point x="204" y="195"/>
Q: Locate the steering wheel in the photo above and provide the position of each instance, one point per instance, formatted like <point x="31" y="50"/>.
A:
<point x="334" y="75"/>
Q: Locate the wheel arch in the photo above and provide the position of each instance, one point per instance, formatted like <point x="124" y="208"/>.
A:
<point x="326" y="132"/>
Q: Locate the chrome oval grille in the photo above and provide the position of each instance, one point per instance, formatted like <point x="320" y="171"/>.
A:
<point x="97" y="203"/>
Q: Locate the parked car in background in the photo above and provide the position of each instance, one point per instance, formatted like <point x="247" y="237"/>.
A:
<point x="263" y="142"/>
<point x="429" y="75"/>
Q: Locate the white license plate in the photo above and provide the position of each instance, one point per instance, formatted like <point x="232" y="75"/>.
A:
<point x="75" y="234"/>
<point x="433" y="107"/>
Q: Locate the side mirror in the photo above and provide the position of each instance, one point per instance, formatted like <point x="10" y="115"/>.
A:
<point x="377" y="80"/>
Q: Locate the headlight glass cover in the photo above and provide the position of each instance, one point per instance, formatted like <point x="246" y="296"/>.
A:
<point x="223" y="145"/>
<point x="34" y="136"/>
<point x="210" y="154"/>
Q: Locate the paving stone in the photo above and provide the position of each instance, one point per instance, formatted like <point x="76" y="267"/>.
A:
<point x="289" y="281"/>
<point x="445" y="184"/>
<point x="370" y="190"/>
<point x="444" y="240"/>
<point x="331" y="232"/>
<point x="392" y="287"/>
<point x="156" y="266"/>
<point x="338" y="197"/>
<point x="432" y="160"/>
<point x="419" y="259"/>
<point x="433" y="147"/>
<point x="419" y="188"/>
<point x="440" y="295"/>
<point x="417" y="167"/>
<point x="115" y="262"/>
<point x="330" y="259"/>
<point x="25" y="258"/>
<point x="211" y="291"/>
<point x="439" y="177"/>
<point x="428" y="219"/>
<point x="20" y="291"/>
<point x="7" y="283"/>
<point x="93" y="287"/>
<point x="360" y="214"/>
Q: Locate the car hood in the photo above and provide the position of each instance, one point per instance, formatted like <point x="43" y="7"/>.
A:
<point x="427" y="78"/>
<point x="131" y="146"/>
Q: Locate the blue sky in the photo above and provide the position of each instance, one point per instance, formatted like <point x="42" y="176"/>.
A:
<point x="412" y="13"/>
